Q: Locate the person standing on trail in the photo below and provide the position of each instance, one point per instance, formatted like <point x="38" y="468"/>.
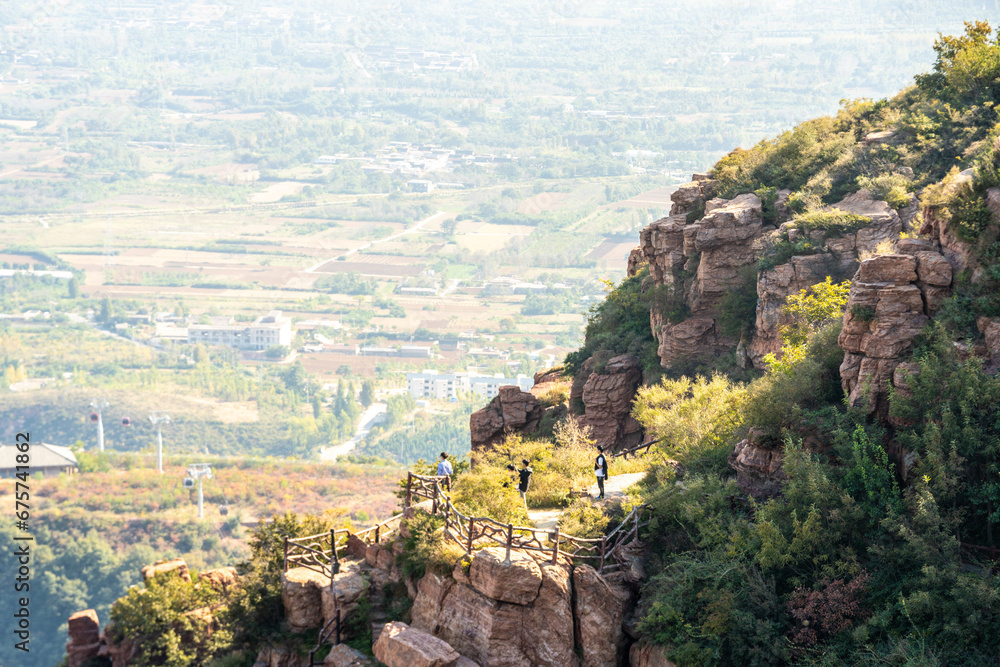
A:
<point x="601" y="470"/>
<point x="445" y="470"/>
<point x="525" y="478"/>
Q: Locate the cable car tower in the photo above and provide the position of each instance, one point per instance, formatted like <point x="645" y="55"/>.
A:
<point x="97" y="405"/>
<point x="198" y="471"/>
<point x="158" y="419"/>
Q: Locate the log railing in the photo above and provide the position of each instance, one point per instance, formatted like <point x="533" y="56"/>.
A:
<point x="320" y="552"/>
<point x="471" y="531"/>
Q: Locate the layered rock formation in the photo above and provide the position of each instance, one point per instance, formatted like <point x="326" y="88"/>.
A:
<point x="603" y="401"/>
<point x="891" y="299"/>
<point x="84" y="638"/>
<point x="511" y="411"/>
<point x="698" y="263"/>
<point x="606" y="397"/>
<point x="835" y="256"/>
<point x="519" y="613"/>
<point x="399" y="645"/>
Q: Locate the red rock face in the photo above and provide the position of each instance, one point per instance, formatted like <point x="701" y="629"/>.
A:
<point x="714" y="249"/>
<point x="607" y="398"/>
<point x="512" y="410"/>
<point x="891" y="300"/>
<point x="84" y="637"/>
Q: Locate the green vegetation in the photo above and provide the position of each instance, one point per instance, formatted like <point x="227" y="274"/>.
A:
<point x="619" y="325"/>
<point x="867" y="554"/>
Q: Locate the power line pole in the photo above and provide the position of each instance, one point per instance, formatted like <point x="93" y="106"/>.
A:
<point x="158" y="419"/>
<point x="98" y="404"/>
<point x="200" y="471"/>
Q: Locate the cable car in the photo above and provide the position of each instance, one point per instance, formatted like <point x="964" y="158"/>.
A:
<point x="188" y="482"/>
<point x="94" y="416"/>
<point x="126" y="421"/>
<point x="224" y="510"/>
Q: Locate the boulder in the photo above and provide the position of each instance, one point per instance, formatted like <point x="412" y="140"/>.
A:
<point x="343" y="655"/>
<point x="84" y="627"/>
<point x="510" y="410"/>
<point x="516" y="580"/>
<point x="221" y="579"/>
<point x="758" y="469"/>
<point x="898" y="269"/>
<point x="693" y="338"/>
<point x="399" y="645"/>
<point x="644" y="654"/>
<point x="176" y="567"/>
<point x="690" y="196"/>
<point x="607" y="399"/>
<point x="601" y="605"/>
<point x="495" y="633"/>
<point x="84" y="638"/>
<point x="990" y="328"/>
<point x="301" y="593"/>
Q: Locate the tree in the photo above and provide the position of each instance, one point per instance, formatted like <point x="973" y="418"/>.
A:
<point x="107" y="310"/>
<point x="367" y="393"/>
<point x="73" y="288"/>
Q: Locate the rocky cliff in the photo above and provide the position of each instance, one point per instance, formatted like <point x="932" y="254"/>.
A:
<point x="600" y="399"/>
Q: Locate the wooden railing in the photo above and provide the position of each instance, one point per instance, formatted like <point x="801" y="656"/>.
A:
<point x="468" y="531"/>
<point x="638" y="450"/>
<point x="320" y="552"/>
<point x="316" y="552"/>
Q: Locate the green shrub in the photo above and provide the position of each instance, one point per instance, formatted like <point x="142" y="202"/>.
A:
<point x="738" y="310"/>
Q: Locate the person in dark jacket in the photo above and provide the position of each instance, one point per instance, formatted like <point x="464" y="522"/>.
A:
<point x="601" y="470"/>
<point x="524" y="475"/>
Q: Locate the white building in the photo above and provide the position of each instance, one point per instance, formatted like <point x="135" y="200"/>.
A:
<point x="266" y="331"/>
<point x="432" y="384"/>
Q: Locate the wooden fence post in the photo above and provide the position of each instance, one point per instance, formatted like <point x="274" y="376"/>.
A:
<point x="555" y="546"/>
<point x="334" y="559"/>
<point x="604" y="541"/>
<point x="409" y="483"/>
<point x="378" y="528"/>
<point x="510" y="538"/>
<point x="472" y="524"/>
<point x="285" y="567"/>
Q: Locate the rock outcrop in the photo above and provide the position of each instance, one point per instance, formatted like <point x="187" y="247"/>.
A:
<point x="601" y="605"/>
<point x="891" y="299"/>
<point x="773" y="288"/>
<point x="758" y="469"/>
<point x="607" y="401"/>
<point x="176" y="567"/>
<point x="512" y="410"/>
<point x="698" y="263"/>
<point x="399" y="645"/>
<point x="84" y="637"/>
<point x="938" y="228"/>
<point x="221" y="579"/>
<point x="343" y="655"/>
<point x="644" y="654"/>
<point x="836" y="256"/>
<point x="536" y="630"/>
<point x="301" y="593"/>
